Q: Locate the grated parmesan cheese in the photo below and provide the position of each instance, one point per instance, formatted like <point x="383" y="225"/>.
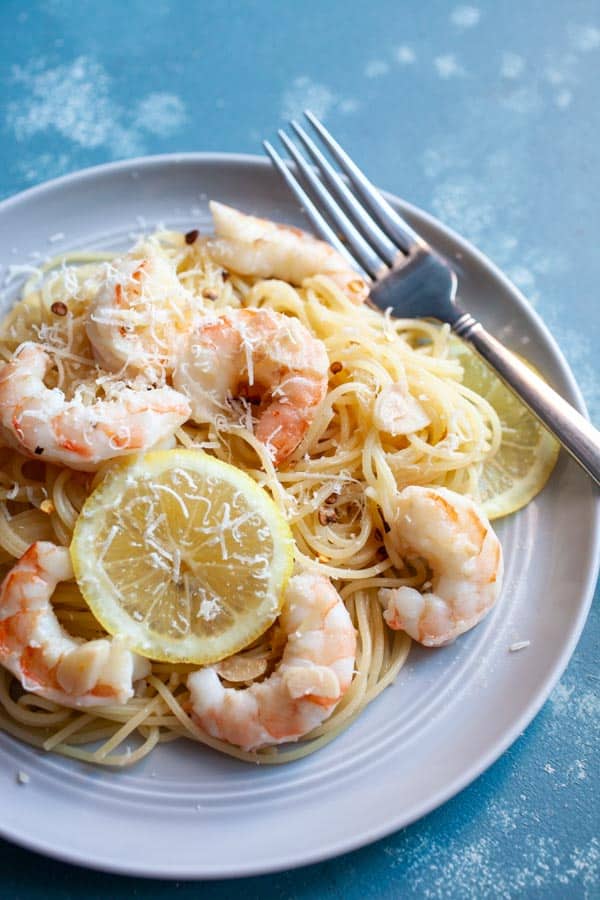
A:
<point x="209" y="609"/>
<point x="519" y="645"/>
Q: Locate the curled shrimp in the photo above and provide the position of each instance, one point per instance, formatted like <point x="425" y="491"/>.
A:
<point x="41" y="423"/>
<point x="268" y="359"/>
<point x="454" y="537"/>
<point x="42" y="655"/>
<point x="315" y="672"/>
<point x="139" y="316"/>
<point x="253" y="246"/>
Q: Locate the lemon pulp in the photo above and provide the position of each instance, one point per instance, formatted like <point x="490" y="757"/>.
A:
<point x="183" y="555"/>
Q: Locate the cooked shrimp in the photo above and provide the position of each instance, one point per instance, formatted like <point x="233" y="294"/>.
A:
<point x="454" y="537"/>
<point x="264" y="357"/>
<point x="38" y="651"/>
<point x="253" y="246"/>
<point x="139" y="316"/>
<point x="315" y="672"/>
<point x="41" y="423"/>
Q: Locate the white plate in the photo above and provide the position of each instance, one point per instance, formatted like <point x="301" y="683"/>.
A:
<point x="187" y="812"/>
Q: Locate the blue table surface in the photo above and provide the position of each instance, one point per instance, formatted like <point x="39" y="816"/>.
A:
<point x="487" y="115"/>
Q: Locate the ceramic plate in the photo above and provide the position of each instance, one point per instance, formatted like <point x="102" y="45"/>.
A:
<point x="187" y="812"/>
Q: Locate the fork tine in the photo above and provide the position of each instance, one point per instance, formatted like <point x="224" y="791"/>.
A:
<point x="360" y="249"/>
<point x="387" y="217"/>
<point x="341" y="191"/>
<point x="319" y="222"/>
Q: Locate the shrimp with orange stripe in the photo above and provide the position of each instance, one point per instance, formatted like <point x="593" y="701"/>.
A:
<point x="268" y="359"/>
<point x="140" y="315"/>
<point x="42" y="655"/>
<point x="454" y="537"/>
<point x="250" y="245"/>
<point x="40" y="422"/>
<point x="314" y="674"/>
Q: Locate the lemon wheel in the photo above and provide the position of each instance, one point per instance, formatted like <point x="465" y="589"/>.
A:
<point x="183" y="555"/>
<point x="528" y="452"/>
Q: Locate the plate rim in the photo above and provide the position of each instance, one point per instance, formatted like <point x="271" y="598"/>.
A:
<point x="253" y="159"/>
<point x="485" y="760"/>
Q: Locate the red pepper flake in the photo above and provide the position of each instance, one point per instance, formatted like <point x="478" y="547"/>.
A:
<point x="356" y="285"/>
<point x="333" y="498"/>
<point x="39" y="450"/>
<point x="327" y="516"/>
<point x="335" y="367"/>
<point x="59" y="308"/>
<point x="252" y="394"/>
<point x="225" y="275"/>
<point x="192" y="236"/>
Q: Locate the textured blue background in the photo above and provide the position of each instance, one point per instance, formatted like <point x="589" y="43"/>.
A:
<point x="485" y="114"/>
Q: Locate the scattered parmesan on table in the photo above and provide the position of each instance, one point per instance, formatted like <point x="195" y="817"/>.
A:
<point x="519" y="645"/>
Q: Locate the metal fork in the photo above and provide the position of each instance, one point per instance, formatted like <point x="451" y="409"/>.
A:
<point x="411" y="278"/>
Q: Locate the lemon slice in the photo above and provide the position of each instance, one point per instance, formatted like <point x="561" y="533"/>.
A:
<point x="528" y="452"/>
<point x="183" y="555"/>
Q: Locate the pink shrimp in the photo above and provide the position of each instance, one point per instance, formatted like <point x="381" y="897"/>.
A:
<point x="314" y="674"/>
<point x="140" y="315"/>
<point x="253" y="246"/>
<point x="41" y="423"/>
<point x="264" y="357"/>
<point x="38" y="651"/>
<point x="454" y="537"/>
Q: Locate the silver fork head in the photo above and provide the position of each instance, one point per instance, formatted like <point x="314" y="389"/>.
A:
<point x="407" y="275"/>
<point x="412" y="280"/>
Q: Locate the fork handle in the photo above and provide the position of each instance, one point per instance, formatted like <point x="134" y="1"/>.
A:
<point x="575" y="433"/>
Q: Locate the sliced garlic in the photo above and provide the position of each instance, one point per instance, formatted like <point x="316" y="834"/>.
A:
<point x="397" y="412"/>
